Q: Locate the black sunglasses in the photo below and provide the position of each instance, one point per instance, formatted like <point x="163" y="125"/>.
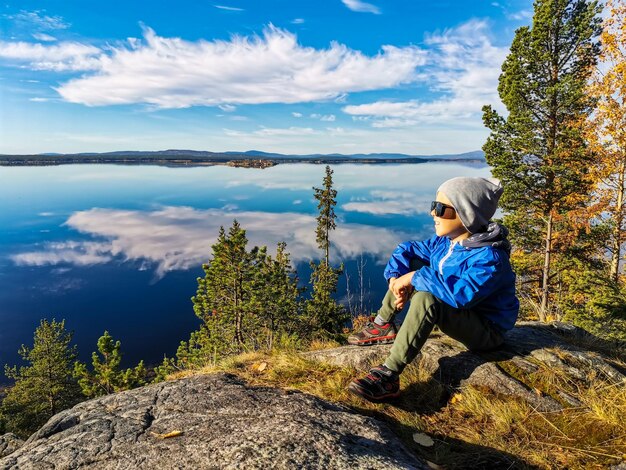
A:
<point x="440" y="208"/>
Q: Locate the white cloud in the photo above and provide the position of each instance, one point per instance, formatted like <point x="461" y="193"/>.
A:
<point x="411" y="113"/>
<point x="175" y="238"/>
<point x="58" y="57"/>
<point x="296" y="115"/>
<point x="38" y="20"/>
<point x="267" y="132"/>
<point x="390" y="203"/>
<point x="360" y="6"/>
<point x="44" y="37"/>
<point x="285" y="131"/>
<point x="76" y="253"/>
<point x="324" y="117"/>
<point x="39" y="100"/>
<point x="521" y="15"/>
<point x="381" y="208"/>
<point x="463" y="66"/>
<point x="227" y="108"/>
<point x="174" y="73"/>
<point x="387" y="123"/>
<point x="223" y="7"/>
<point x="297" y="21"/>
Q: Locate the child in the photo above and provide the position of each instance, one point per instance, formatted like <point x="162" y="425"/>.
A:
<point x="460" y="280"/>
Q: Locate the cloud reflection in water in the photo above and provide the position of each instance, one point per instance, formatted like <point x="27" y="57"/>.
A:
<point x="178" y="238"/>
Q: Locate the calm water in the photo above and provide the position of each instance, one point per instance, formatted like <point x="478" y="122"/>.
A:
<point x="119" y="248"/>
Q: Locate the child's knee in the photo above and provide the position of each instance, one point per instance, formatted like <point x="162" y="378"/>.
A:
<point x="423" y="304"/>
<point x="420" y="296"/>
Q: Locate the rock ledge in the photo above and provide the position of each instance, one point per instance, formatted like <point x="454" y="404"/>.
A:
<point x="225" y="423"/>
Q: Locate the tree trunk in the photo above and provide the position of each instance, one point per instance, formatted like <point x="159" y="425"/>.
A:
<point x="327" y="243"/>
<point x="618" y="218"/>
<point x="545" y="287"/>
<point x="238" y="333"/>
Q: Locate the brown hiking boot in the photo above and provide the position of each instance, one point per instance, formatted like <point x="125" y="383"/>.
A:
<point x="374" y="334"/>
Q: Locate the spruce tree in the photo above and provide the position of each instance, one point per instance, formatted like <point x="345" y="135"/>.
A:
<point x="325" y="315"/>
<point x="326" y="197"/>
<point x="277" y="295"/>
<point x="224" y="300"/>
<point x="45" y="385"/>
<point x="538" y="150"/>
<point x="107" y="377"/>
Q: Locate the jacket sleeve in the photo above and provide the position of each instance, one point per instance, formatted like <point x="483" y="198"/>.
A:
<point x="401" y="257"/>
<point x="464" y="290"/>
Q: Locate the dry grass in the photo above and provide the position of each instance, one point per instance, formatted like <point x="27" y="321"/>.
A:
<point x="472" y="428"/>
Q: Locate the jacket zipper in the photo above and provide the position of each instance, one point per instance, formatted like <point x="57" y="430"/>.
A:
<point x="446" y="257"/>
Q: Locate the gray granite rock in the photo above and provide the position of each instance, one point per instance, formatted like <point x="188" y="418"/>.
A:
<point x="9" y="443"/>
<point x="225" y="424"/>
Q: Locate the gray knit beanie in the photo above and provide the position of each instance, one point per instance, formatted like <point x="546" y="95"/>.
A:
<point x="475" y="200"/>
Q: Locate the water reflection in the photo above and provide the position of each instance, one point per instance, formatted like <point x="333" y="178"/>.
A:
<point x="120" y="248"/>
<point x="175" y="238"/>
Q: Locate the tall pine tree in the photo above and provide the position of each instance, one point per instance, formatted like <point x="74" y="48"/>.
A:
<point x="45" y="385"/>
<point x="325" y="315"/>
<point x="538" y="150"/>
<point x="326" y="201"/>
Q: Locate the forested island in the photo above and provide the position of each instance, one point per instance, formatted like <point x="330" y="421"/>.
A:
<point x="250" y="159"/>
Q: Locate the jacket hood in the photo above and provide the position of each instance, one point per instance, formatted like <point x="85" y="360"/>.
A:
<point x="494" y="236"/>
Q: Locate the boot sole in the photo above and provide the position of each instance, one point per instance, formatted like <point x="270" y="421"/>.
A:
<point x="380" y="340"/>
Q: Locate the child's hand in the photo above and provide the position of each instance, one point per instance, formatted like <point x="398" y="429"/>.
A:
<point x="402" y="289"/>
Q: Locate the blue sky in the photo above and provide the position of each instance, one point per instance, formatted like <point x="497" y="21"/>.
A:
<point x="323" y="76"/>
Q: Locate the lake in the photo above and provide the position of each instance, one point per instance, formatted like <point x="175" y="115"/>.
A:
<point x="119" y="248"/>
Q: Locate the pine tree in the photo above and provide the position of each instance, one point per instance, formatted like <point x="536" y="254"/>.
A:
<point x="326" y="197"/>
<point x="538" y="150"/>
<point x="45" y="386"/>
<point x="325" y="315"/>
<point x="107" y="377"/>
<point x="277" y="298"/>
<point x="225" y="300"/>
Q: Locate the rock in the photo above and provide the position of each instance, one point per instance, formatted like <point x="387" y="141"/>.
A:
<point x="528" y="345"/>
<point x="225" y="424"/>
<point x="359" y="357"/>
<point x="9" y="443"/>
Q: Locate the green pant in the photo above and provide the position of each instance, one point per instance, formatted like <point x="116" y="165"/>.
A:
<point x="425" y="311"/>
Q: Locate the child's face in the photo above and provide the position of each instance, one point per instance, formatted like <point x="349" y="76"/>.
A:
<point x="449" y="224"/>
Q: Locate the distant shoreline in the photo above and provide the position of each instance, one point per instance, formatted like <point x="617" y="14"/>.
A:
<point x="247" y="160"/>
<point x="235" y="163"/>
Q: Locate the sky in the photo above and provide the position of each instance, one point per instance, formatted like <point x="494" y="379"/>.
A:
<point x="299" y="77"/>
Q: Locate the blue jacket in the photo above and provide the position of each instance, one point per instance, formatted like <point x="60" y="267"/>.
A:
<point x="465" y="275"/>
